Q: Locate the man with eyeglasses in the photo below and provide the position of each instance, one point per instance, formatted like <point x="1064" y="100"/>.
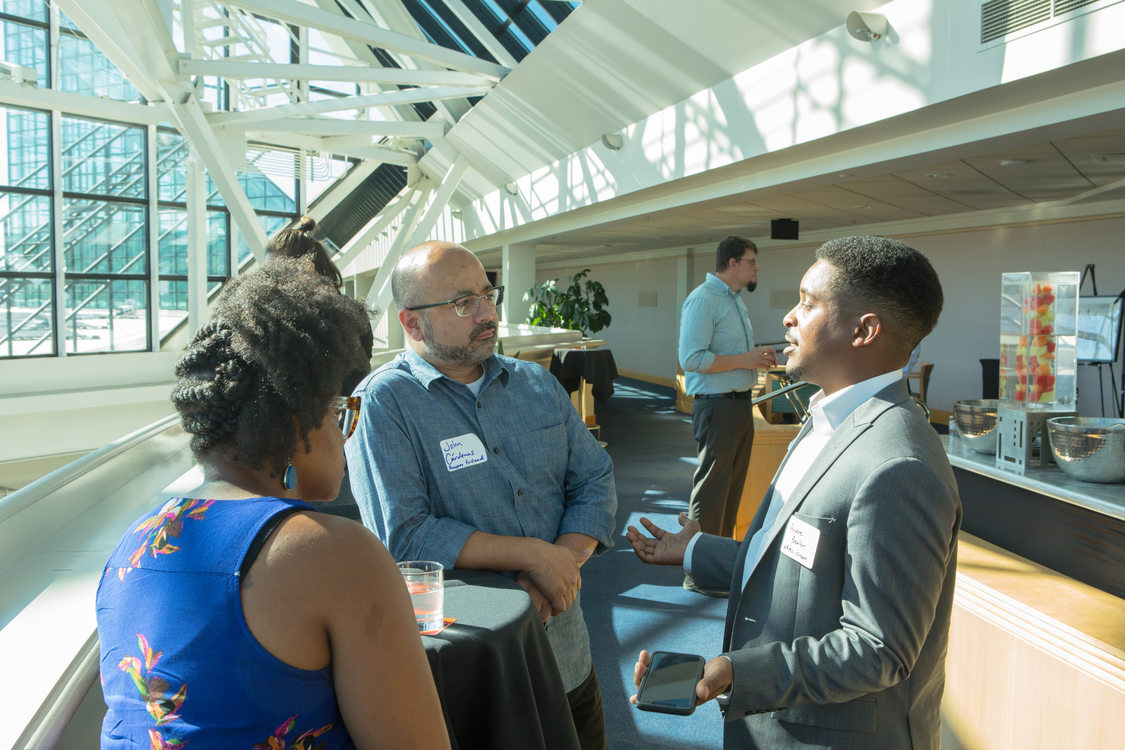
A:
<point x="480" y="461"/>
<point x="717" y="354"/>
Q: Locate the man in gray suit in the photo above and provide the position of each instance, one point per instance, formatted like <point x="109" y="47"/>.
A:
<point x="841" y="592"/>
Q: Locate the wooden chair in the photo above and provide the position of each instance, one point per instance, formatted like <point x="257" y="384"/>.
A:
<point x="922" y="376"/>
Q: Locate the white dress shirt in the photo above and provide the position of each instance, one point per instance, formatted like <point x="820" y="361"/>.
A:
<point x="827" y="413"/>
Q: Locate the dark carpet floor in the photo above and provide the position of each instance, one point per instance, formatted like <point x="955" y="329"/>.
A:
<point x="630" y="605"/>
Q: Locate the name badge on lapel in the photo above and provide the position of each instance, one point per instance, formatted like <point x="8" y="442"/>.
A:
<point x="463" y="450"/>
<point x="800" y="540"/>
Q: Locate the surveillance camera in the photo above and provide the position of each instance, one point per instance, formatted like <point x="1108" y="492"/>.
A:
<point x="866" y="27"/>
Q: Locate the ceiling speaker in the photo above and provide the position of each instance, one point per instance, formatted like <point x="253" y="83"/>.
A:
<point x="783" y="229"/>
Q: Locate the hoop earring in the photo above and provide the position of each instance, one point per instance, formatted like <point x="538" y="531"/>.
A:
<point x="289" y="478"/>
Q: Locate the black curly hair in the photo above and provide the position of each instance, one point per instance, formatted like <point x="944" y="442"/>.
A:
<point x="281" y="343"/>
<point x="891" y="277"/>
<point x="298" y="242"/>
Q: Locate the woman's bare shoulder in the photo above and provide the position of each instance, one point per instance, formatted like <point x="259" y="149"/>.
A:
<point x="322" y="548"/>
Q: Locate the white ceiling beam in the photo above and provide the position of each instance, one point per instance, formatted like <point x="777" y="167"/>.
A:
<point x="1108" y="187"/>
<point x="335" y="23"/>
<point x="374" y="228"/>
<point x="191" y="121"/>
<point x="114" y="28"/>
<point x="350" y="73"/>
<point x="365" y="54"/>
<point x="483" y="35"/>
<point x="376" y="155"/>
<point x="363" y="101"/>
<point x="331" y="126"/>
<point x="101" y="24"/>
<point x="380" y="294"/>
<point x="442" y="195"/>
<point x="392" y="15"/>
<point x="356" y="147"/>
<point x="341" y="189"/>
<point x="83" y="105"/>
<point x="410" y="235"/>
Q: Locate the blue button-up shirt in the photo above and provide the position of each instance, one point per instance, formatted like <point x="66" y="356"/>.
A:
<point x="430" y="463"/>
<point x="714" y="321"/>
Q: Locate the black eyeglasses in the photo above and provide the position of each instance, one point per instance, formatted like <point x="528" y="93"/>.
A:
<point x="470" y="303"/>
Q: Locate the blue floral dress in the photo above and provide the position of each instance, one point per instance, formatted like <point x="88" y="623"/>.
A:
<point x="178" y="662"/>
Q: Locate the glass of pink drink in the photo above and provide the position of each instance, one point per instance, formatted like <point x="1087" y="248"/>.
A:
<point x="424" y="582"/>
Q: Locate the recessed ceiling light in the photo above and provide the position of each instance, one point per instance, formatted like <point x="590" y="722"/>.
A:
<point x="938" y="175"/>
<point x="1117" y="158"/>
<point x="846" y="174"/>
<point x="1015" y="162"/>
<point x="861" y="208"/>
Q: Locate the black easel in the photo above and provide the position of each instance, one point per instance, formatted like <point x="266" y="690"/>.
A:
<point x="1117" y="394"/>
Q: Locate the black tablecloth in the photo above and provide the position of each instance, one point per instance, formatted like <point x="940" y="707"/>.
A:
<point x="495" y="673"/>
<point x="596" y="366"/>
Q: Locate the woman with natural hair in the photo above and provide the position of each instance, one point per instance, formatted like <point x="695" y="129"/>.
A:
<point x="236" y="615"/>
<point x="298" y="242"/>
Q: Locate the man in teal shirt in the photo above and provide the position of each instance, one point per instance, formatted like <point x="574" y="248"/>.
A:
<point x="719" y="360"/>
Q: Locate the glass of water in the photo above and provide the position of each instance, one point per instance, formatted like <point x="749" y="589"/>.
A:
<point x="424" y="582"/>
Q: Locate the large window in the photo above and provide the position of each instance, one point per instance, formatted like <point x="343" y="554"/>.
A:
<point x="105" y="236"/>
<point x="83" y="261"/>
<point x="27" y="302"/>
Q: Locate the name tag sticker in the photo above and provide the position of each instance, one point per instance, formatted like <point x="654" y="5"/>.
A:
<point x="800" y="541"/>
<point x="463" y="450"/>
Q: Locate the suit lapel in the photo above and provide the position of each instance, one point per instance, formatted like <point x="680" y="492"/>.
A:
<point x="755" y="524"/>
<point x="852" y="427"/>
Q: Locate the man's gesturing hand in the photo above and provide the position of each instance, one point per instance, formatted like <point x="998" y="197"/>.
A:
<point x="663" y="547"/>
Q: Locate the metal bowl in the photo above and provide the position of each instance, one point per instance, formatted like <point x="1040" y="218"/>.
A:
<point x="1089" y="448"/>
<point x="976" y="419"/>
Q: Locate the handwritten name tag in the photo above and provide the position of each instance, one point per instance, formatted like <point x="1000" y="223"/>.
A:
<point x="800" y="541"/>
<point x="463" y="450"/>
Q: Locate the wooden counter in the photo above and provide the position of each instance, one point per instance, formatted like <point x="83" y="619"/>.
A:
<point x="1037" y="643"/>
<point x="1036" y="659"/>
<point x="771" y="441"/>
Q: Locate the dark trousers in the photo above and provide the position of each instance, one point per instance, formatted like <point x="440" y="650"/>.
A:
<point x="589" y="715"/>
<point x="724" y="430"/>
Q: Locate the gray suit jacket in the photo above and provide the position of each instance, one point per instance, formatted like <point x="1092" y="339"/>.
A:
<point x="849" y="653"/>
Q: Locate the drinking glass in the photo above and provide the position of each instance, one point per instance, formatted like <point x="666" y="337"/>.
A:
<point x="424" y="582"/>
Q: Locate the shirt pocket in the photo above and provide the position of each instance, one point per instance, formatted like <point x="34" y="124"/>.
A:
<point x="543" y="443"/>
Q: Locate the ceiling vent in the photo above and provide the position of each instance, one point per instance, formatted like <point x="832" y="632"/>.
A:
<point x="998" y="18"/>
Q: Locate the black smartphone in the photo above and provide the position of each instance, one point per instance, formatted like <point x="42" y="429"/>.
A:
<point x="669" y="684"/>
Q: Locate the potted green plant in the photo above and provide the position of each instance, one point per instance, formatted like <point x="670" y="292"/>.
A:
<point x="579" y="307"/>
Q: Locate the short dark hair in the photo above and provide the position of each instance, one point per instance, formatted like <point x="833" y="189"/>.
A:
<point x="890" y="277"/>
<point x="298" y="242"/>
<point x="731" y="248"/>
<point x="282" y="342"/>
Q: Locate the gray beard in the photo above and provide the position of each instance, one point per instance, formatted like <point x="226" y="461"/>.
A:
<point x="458" y="355"/>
